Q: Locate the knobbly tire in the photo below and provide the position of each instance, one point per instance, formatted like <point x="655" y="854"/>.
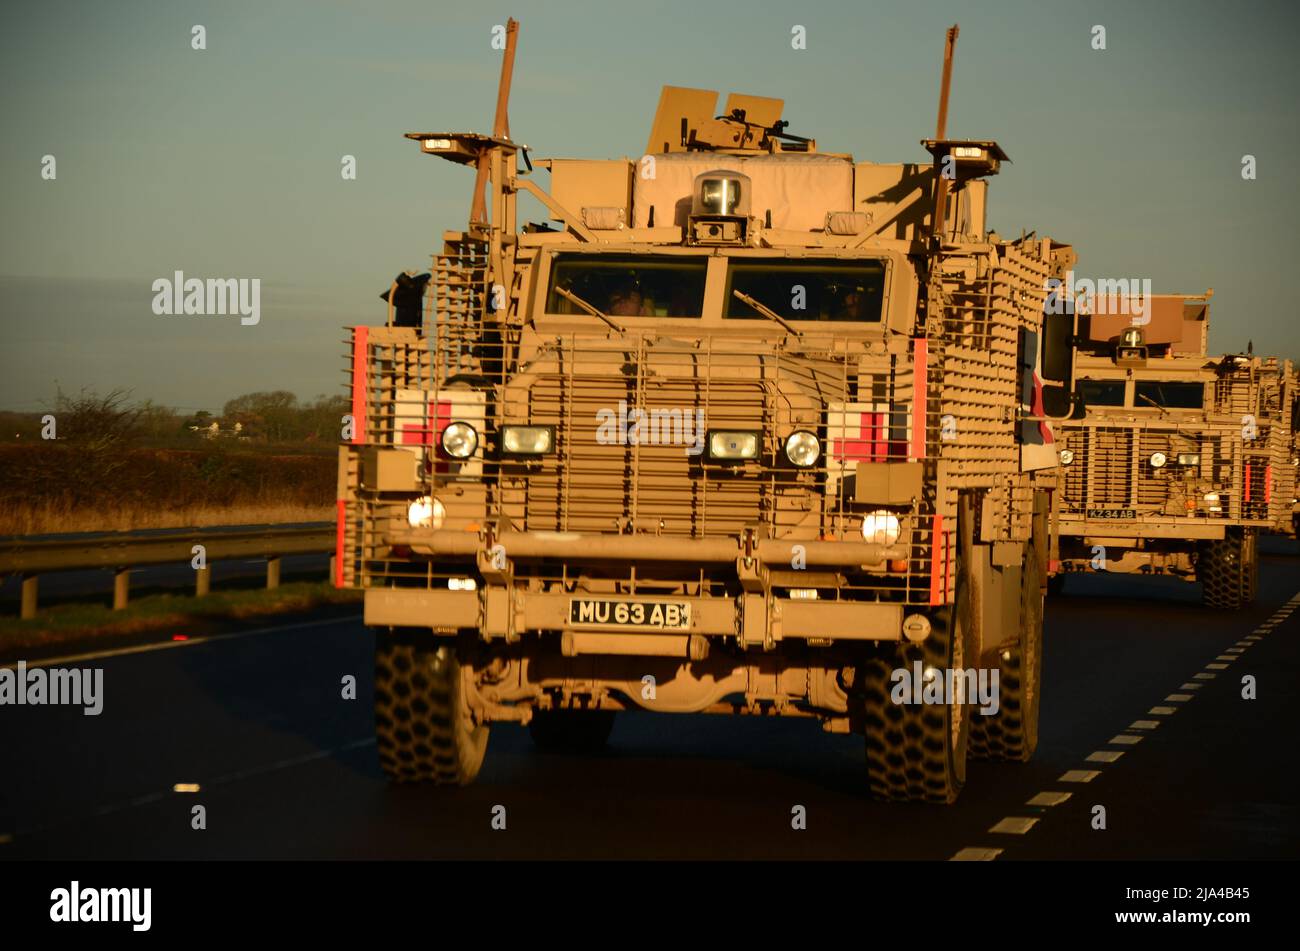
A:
<point x="1228" y="569"/>
<point x="571" y="731"/>
<point x="1012" y="732"/>
<point x="917" y="752"/>
<point x="423" y="726"/>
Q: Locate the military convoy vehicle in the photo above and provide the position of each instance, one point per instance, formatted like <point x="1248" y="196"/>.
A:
<point x="744" y="427"/>
<point x="1175" y="461"/>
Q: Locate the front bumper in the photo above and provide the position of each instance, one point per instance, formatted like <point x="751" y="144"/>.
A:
<point x="501" y="608"/>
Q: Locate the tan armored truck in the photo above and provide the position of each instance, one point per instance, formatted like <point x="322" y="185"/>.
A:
<point x="1175" y="461"/>
<point x="737" y="430"/>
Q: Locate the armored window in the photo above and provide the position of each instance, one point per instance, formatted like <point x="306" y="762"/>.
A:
<point x="1102" y="392"/>
<point x="1169" y="395"/>
<point x="626" y="285"/>
<point x="808" y="289"/>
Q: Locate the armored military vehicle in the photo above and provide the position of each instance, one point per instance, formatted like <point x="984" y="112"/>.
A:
<point x="743" y="427"/>
<point x="1175" y="461"/>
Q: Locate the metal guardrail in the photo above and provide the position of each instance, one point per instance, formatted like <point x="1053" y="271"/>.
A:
<point x="35" y="555"/>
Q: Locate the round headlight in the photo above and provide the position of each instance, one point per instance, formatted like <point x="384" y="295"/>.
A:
<point x="1067" y="456"/>
<point x="880" y="527"/>
<point x="425" y="512"/>
<point x="1158" y="459"/>
<point x="802" y="448"/>
<point x="459" y="440"/>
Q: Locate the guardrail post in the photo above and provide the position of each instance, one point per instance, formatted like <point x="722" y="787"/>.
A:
<point x="121" y="588"/>
<point x="272" y="573"/>
<point x="202" y="581"/>
<point x="30" y="583"/>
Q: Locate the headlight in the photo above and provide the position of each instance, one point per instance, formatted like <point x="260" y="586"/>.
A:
<point x="1158" y="459"/>
<point x="426" y="512"/>
<point x="459" y="440"/>
<point x="733" y="445"/>
<point x="1211" y="496"/>
<point x="802" y="448"/>
<point x="527" y="440"/>
<point x="1189" y="458"/>
<point x="1067" y="456"/>
<point x="880" y="527"/>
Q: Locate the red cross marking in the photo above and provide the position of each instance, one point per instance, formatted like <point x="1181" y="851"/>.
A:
<point x="872" y="442"/>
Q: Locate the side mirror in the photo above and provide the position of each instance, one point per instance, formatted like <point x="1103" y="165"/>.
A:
<point x="1057" y="363"/>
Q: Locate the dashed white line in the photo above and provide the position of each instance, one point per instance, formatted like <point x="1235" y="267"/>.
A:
<point x="1178" y="697"/>
<point x="1152" y="724"/>
<point x="1126" y="739"/>
<point x="1079" y="776"/>
<point x="1104" y="756"/>
<point x="1162" y="711"/>
<point x="1050" y="798"/>
<point x="976" y="855"/>
<point x="1014" y="825"/>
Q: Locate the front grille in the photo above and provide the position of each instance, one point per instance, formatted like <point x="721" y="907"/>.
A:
<point x="620" y="470"/>
<point x="1112" y="469"/>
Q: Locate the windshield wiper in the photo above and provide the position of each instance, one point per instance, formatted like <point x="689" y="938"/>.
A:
<point x="1163" y="411"/>
<point x="589" y="308"/>
<point x="766" y="311"/>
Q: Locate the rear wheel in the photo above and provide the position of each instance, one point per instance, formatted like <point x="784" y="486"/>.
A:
<point x="423" y="727"/>
<point x="1228" y="570"/>
<point x="571" y="731"/>
<point x="1012" y="732"/>
<point x="917" y="752"/>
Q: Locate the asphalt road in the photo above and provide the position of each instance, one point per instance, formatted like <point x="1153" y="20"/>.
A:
<point x="287" y="768"/>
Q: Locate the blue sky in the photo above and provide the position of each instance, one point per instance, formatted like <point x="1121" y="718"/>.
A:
<point x="226" y="162"/>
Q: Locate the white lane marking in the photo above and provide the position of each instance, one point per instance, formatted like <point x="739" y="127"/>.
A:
<point x="1050" y="798"/>
<point x="1014" y="825"/>
<point x="186" y="787"/>
<point x="1178" y="698"/>
<point x="167" y="645"/>
<point x="1162" y="711"/>
<point x="1147" y="724"/>
<point x="1104" y="756"/>
<point x="153" y="797"/>
<point x="1216" y="666"/>
<point x="1191" y="687"/>
<point x="1204" y="676"/>
<point x="976" y="855"/>
<point x="1079" y="776"/>
<point x="1227" y="658"/>
<point x="1238" y="648"/>
<point x="1126" y="739"/>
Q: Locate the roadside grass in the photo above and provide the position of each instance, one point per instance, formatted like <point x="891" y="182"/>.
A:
<point x="150" y="614"/>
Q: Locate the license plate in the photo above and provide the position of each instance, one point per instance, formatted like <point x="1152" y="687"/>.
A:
<point x="608" y="612"/>
<point x="1112" y="513"/>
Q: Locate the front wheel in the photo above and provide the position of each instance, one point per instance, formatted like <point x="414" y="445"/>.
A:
<point x="423" y="727"/>
<point x="917" y="751"/>
<point x="1228" y="570"/>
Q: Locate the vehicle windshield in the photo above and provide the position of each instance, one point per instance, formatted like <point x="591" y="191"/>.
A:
<point x="808" y="289"/>
<point x="626" y="285"/>
<point x="1102" y="392"/>
<point x="1169" y="395"/>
